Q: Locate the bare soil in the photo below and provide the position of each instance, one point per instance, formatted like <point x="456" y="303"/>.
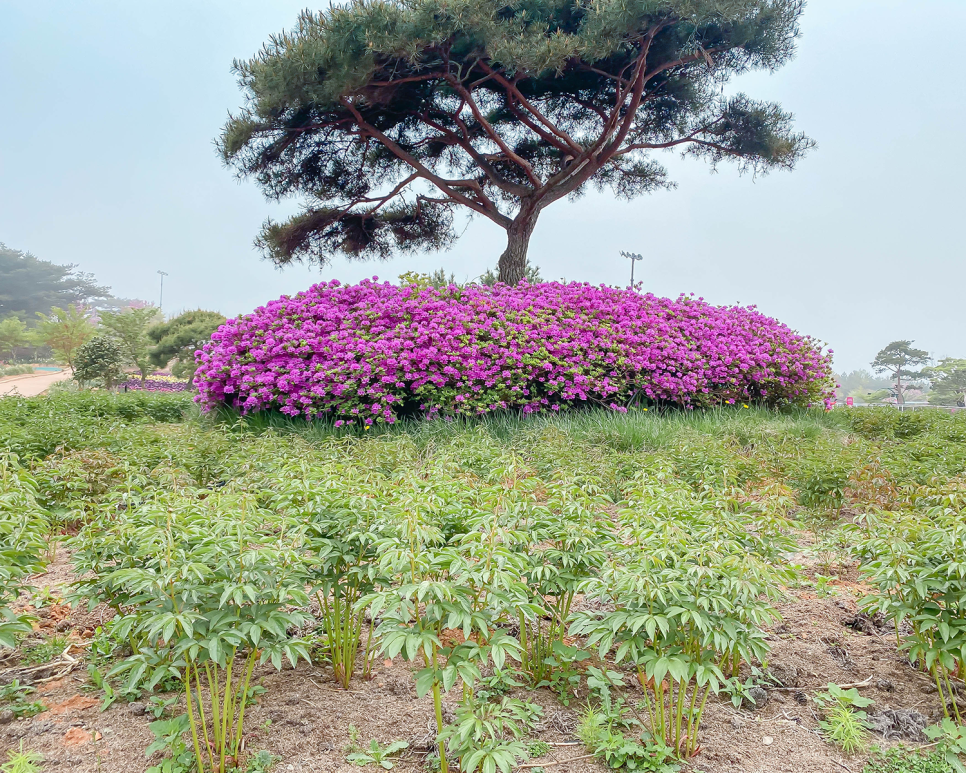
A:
<point x="307" y="720"/>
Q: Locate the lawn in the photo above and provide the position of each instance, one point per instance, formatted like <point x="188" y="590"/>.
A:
<point x="725" y="590"/>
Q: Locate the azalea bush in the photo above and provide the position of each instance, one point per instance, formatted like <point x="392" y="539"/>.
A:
<point x="372" y="352"/>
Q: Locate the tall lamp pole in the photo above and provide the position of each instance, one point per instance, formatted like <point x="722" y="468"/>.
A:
<point x="634" y="257"/>
<point x="163" y="274"/>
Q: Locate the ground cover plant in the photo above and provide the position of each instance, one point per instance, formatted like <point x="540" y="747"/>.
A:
<point x="626" y="581"/>
<point x="369" y="353"/>
<point x="156" y="382"/>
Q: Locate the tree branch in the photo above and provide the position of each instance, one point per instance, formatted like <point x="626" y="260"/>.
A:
<point x="493" y="134"/>
<point x="484" y="206"/>
<point x="512" y="89"/>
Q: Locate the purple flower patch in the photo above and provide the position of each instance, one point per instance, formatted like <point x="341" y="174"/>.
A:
<point x="381" y="351"/>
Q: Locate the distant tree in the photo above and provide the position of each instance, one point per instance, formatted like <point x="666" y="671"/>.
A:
<point x="859" y="382"/>
<point x="99" y="359"/>
<point x="899" y="359"/>
<point x="876" y="396"/>
<point x="30" y="286"/>
<point x="390" y="116"/>
<point x="65" y="331"/>
<point x="178" y="339"/>
<point x="129" y="330"/>
<point x="948" y="382"/>
<point x="13" y="335"/>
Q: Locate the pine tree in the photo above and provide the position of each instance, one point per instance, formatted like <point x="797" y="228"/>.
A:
<point x="899" y="359"/>
<point x="390" y="115"/>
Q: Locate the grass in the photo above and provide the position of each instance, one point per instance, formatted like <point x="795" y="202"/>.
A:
<point x="902" y="760"/>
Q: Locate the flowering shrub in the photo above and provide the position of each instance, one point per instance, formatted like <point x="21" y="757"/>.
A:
<point x="373" y="351"/>
<point x="157" y="383"/>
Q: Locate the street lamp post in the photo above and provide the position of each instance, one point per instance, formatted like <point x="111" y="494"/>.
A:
<point x="163" y="274"/>
<point x="634" y="257"/>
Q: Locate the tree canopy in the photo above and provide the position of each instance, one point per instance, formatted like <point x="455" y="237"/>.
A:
<point x="99" y="359"/>
<point x="948" y="382"/>
<point x="178" y="339"/>
<point x="390" y="115"/>
<point x="65" y="331"/>
<point x="900" y="360"/>
<point x="13" y="335"/>
<point x="30" y="286"/>
<point x="129" y="330"/>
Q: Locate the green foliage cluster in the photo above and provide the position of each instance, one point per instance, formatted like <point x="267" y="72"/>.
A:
<point x="947" y="382"/>
<point x="23" y="529"/>
<point x="15" y="698"/>
<point x="582" y="553"/>
<point x="844" y="722"/>
<point x="128" y="329"/>
<point x="99" y="359"/>
<point x="16" y="370"/>
<point x="22" y="760"/>
<point x="179" y="338"/>
<point x="65" y="331"/>
<point x="916" y="561"/>
<point x="901" y="760"/>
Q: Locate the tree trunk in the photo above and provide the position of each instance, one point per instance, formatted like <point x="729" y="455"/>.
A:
<point x="513" y="261"/>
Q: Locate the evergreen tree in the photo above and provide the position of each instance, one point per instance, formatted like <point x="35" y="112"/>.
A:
<point x="899" y="359"/>
<point x="99" y="359"/>
<point x="391" y="115"/>
<point x="948" y="382"/>
<point x="178" y="339"/>
<point x="29" y="285"/>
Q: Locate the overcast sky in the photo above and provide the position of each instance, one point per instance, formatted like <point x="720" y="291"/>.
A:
<point x="108" y="111"/>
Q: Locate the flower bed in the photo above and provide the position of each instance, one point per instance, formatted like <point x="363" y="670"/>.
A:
<point x="156" y="383"/>
<point x="374" y="351"/>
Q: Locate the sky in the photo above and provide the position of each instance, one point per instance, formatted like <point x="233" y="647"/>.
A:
<point x="109" y="110"/>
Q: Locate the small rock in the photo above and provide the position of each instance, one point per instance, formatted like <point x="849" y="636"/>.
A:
<point x="801" y="698"/>
<point x="785" y="675"/>
<point x="77" y="736"/>
<point x="6" y="717"/>
<point x="292" y="700"/>
<point x="929" y="689"/>
<point x="767" y="740"/>
<point x="885" y="685"/>
<point x="63" y="625"/>
<point x="137" y="708"/>
<point x="37" y="728"/>
<point x="755" y="698"/>
<point x="735" y="722"/>
<point x="905" y="724"/>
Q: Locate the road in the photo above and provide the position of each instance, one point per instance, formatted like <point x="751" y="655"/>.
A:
<point x="30" y="385"/>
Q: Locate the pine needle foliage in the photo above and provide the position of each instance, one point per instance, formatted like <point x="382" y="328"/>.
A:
<point x="391" y="115"/>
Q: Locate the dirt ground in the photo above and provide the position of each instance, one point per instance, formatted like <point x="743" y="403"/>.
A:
<point x="306" y="719"/>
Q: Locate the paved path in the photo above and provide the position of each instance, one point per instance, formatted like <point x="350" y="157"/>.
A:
<point x="30" y="385"/>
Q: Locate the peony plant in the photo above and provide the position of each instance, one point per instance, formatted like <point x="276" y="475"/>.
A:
<point x="372" y="352"/>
